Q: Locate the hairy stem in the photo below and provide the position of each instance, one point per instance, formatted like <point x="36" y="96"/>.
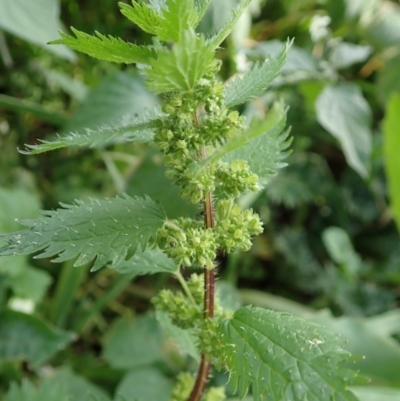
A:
<point x="209" y="281"/>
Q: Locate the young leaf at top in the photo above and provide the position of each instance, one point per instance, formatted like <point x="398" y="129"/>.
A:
<point x="130" y="129"/>
<point x="143" y="15"/>
<point x="177" y="17"/>
<point x="262" y="145"/>
<point x="181" y="67"/>
<point x="108" y="230"/>
<point x="283" y="357"/>
<point x="106" y="48"/>
<point x="220" y="36"/>
<point x="256" y="81"/>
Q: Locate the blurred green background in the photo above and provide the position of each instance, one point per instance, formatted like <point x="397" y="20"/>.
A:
<point x="330" y="251"/>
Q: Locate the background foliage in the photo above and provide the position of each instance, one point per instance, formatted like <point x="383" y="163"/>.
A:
<point x="330" y="251"/>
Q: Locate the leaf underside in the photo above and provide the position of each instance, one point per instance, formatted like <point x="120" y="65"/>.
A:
<point x="265" y="153"/>
<point x="150" y="261"/>
<point x="256" y="81"/>
<point x="130" y="129"/>
<point x="105" y="48"/>
<point x="109" y="230"/>
<point x="223" y="33"/>
<point x="282" y="357"/>
<point x="263" y="145"/>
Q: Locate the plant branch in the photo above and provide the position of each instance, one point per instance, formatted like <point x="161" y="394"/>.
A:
<point x="209" y="280"/>
<point x="185" y="287"/>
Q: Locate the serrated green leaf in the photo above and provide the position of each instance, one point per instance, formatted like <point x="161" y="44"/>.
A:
<point x="343" y="111"/>
<point x="150" y="261"/>
<point x="133" y="343"/>
<point x="262" y="145"/>
<point x="282" y="357"/>
<point x="130" y="129"/>
<point x="256" y="81"/>
<point x="24" y="337"/>
<point x="265" y="153"/>
<point x="31" y="283"/>
<point x="391" y="127"/>
<point x="144" y="16"/>
<point x="106" y="48"/>
<point x="107" y="230"/>
<point x="219" y="37"/>
<point x="181" y="67"/>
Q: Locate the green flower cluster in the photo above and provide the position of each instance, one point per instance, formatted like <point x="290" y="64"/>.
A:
<point x="236" y="178"/>
<point x="234" y="226"/>
<point x="197" y="122"/>
<point x="188" y="243"/>
<point x="183" y="387"/>
<point x="181" y="311"/>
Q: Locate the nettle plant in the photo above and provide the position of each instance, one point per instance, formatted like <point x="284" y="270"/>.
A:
<point x="214" y="157"/>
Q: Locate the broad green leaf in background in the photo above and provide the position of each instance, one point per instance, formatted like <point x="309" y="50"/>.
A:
<point x="26" y="338"/>
<point x="144" y="385"/>
<point x="31" y="284"/>
<point x="34" y="21"/>
<point x="388" y="80"/>
<point x="118" y="95"/>
<point x="298" y="60"/>
<point x="150" y="261"/>
<point x="181" y="67"/>
<point x="346" y="54"/>
<point x="110" y="49"/>
<point x="374" y="393"/>
<point x="344" y="113"/>
<point x="256" y="81"/>
<point x="133" y="343"/>
<point x="77" y="387"/>
<point x="380" y="24"/>
<point x="391" y="130"/>
<point x="130" y="129"/>
<point x="264" y="145"/>
<point x="281" y="356"/>
<point x="16" y="203"/>
<point x="27" y="391"/>
<point x="108" y="230"/>
<point x="201" y="7"/>
<point x="64" y="385"/>
<point x="183" y="339"/>
<point x="340" y="249"/>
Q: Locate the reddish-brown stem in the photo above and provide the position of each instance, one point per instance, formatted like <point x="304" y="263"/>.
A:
<point x="209" y="281"/>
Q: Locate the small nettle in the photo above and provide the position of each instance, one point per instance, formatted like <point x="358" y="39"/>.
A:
<point x="213" y="158"/>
